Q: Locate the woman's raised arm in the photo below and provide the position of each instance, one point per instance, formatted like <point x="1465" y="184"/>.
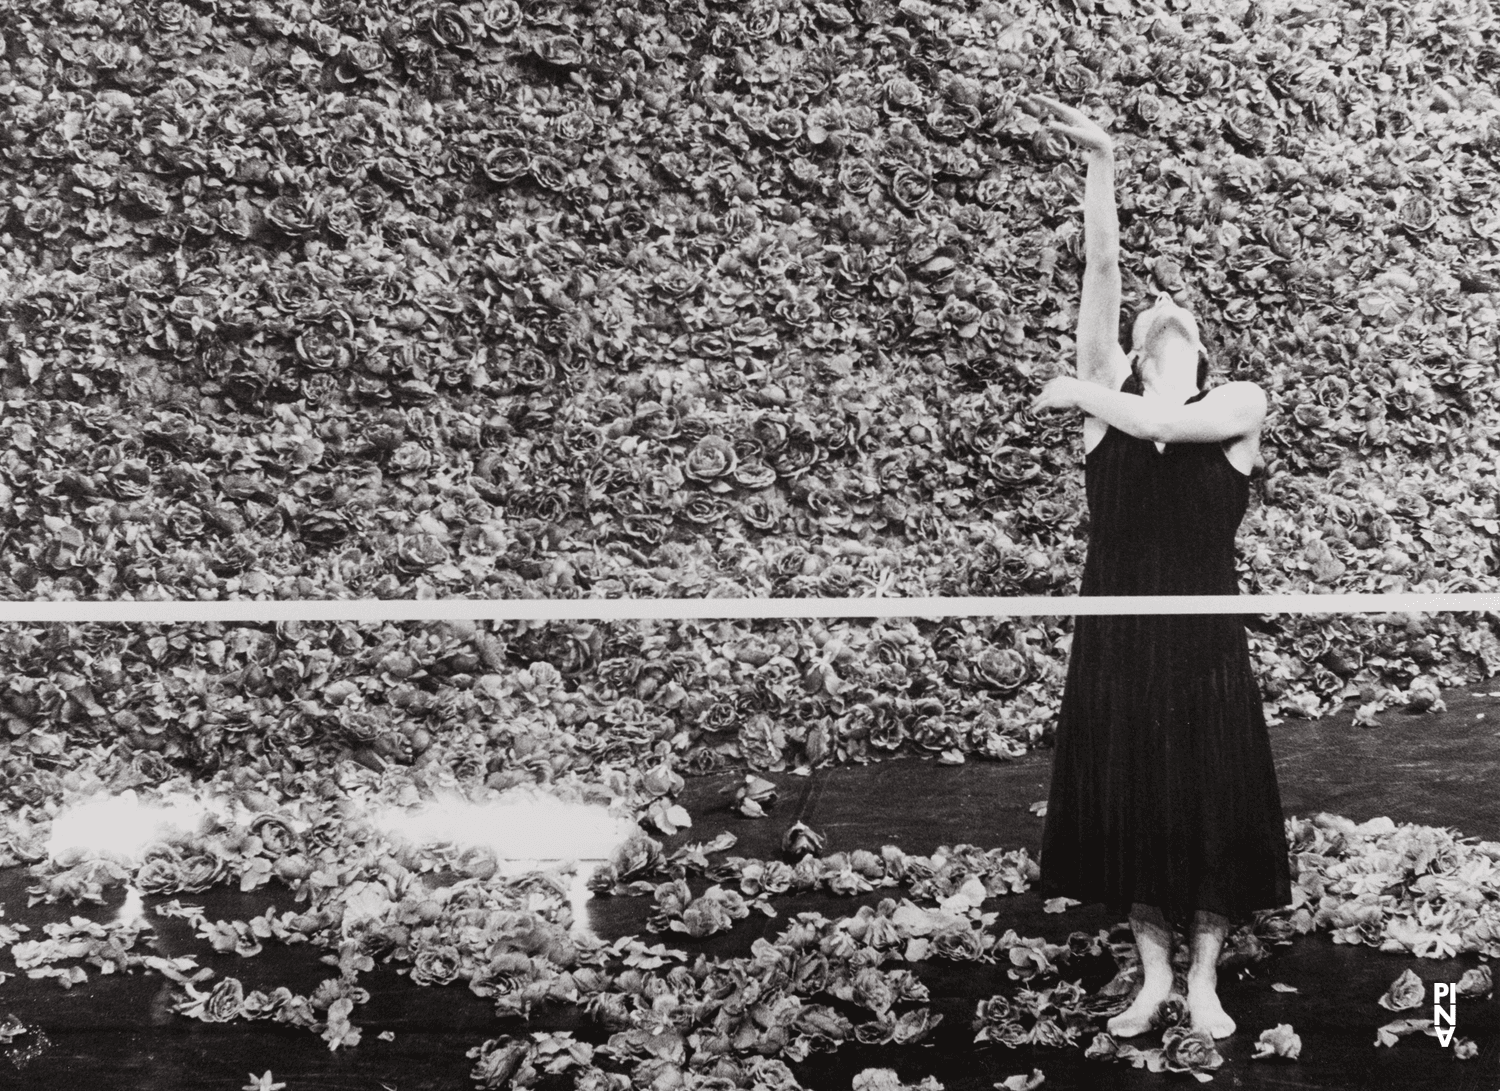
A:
<point x="1100" y="358"/>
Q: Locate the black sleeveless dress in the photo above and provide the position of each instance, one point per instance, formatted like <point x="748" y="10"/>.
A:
<point x="1163" y="788"/>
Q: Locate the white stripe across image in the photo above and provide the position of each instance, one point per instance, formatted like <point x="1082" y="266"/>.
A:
<point x="453" y="609"/>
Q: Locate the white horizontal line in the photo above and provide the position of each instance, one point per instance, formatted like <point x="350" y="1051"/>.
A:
<point x="450" y="609"/>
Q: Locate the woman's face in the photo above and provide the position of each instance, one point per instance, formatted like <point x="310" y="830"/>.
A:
<point x="1163" y="318"/>
<point x="1162" y="325"/>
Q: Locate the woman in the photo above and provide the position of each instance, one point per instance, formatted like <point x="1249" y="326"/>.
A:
<point x="1164" y="802"/>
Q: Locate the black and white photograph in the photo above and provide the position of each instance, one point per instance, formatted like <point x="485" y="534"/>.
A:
<point x="315" y="310"/>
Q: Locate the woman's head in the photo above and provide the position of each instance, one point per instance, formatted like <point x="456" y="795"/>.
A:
<point x="1165" y="341"/>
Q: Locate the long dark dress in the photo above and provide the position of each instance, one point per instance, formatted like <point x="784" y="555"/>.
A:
<point x="1163" y="788"/>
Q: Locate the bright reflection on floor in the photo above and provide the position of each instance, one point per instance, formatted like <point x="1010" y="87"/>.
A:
<point x="526" y="828"/>
<point x="578" y="883"/>
<point x="134" y="908"/>
<point x="119" y="826"/>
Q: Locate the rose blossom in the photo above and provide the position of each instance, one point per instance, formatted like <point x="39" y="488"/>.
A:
<point x="1189" y="1051"/>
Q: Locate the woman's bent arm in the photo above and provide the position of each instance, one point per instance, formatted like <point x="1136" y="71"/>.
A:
<point x="1226" y="412"/>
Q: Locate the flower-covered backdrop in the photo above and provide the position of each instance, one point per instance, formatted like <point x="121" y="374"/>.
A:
<point x="344" y="299"/>
<point x="332" y="299"/>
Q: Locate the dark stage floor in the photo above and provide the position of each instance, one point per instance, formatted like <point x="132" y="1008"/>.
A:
<point x="1439" y="769"/>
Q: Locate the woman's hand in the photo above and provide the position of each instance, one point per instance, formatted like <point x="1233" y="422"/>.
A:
<point x="1075" y="124"/>
<point x="1059" y="393"/>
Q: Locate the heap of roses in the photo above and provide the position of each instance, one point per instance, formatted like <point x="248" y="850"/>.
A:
<point x="529" y="702"/>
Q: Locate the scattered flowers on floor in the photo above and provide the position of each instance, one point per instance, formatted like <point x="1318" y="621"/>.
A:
<point x="1278" y="1041"/>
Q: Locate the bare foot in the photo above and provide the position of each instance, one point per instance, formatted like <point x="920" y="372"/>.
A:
<point x="1206" y="1010"/>
<point x="1136" y="1019"/>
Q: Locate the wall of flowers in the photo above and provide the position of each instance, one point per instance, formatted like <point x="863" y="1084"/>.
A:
<point x="680" y="299"/>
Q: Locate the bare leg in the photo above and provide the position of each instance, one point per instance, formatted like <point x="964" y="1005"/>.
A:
<point x="1209" y="930"/>
<point x="1153" y="938"/>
